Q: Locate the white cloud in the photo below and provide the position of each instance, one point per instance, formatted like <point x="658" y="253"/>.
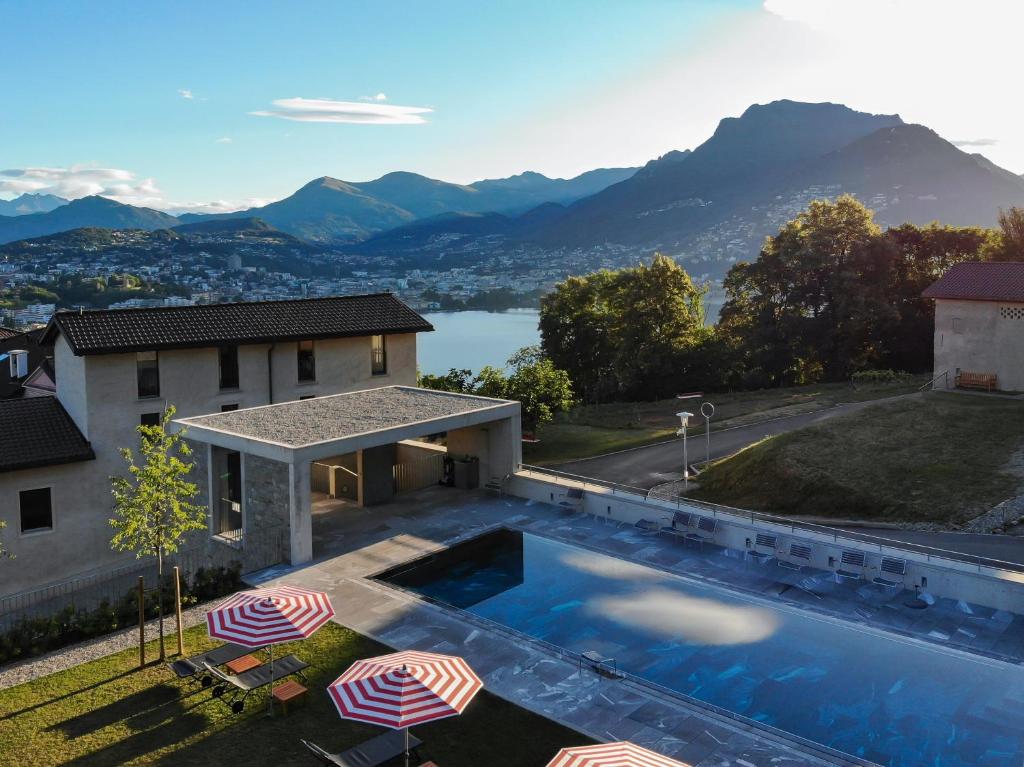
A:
<point x="976" y="142"/>
<point x="378" y="97"/>
<point x="81" y="181"/>
<point x="185" y="93"/>
<point x="224" y="140"/>
<point x="116" y="183"/>
<point x="329" y="111"/>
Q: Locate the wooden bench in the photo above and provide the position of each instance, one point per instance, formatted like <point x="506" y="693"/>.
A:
<point x="986" y="381"/>
<point x="287" y="692"/>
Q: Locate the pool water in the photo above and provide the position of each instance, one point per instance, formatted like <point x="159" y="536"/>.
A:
<point x="893" y="701"/>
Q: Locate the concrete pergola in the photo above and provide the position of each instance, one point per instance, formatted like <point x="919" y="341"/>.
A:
<point x="295" y="434"/>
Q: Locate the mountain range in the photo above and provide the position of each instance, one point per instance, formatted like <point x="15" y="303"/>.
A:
<point x="755" y="172"/>
<point x="31" y="203"/>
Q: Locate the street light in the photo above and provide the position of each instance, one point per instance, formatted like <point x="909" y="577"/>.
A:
<point x="707" y="410"/>
<point x="684" y="416"/>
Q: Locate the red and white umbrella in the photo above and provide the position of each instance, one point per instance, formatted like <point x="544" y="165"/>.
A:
<point x="404" y="689"/>
<point x="623" y="754"/>
<point x="265" y="617"/>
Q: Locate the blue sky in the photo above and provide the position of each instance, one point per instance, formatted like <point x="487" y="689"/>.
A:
<point x="154" y="103"/>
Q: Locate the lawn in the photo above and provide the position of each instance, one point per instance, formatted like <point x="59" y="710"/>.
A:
<point x="597" y="429"/>
<point x="109" y="713"/>
<point x="943" y="458"/>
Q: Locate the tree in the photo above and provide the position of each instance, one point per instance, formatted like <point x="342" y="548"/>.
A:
<point x="623" y="333"/>
<point x="153" y="507"/>
<point x="542" y="389"/>
<point x="1008" y="245"/>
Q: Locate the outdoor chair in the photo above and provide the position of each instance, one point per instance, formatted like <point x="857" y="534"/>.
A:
<point x="763" y="541"/>
<point x="572" y="501"/>
<point x="797" y="551"/>
<point x="706" y="527"/>
<point x="897" y="568"/>
<point x="233" y="689"/>
<point x="851" y="566"/>
<point x="679" y="525"/>
<point x="193" y="669"/>
<point x="373" y="752"/>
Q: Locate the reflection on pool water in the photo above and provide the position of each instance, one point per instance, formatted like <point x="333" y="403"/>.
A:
<point x="893" y="701"/>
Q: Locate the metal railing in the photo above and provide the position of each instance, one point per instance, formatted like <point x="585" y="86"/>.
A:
<point x="89" y="590"/>
<point x="838" y="535"/>
<point x="944" y="375"/>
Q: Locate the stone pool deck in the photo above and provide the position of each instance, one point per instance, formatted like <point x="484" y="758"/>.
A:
<point x="351" y="544"/>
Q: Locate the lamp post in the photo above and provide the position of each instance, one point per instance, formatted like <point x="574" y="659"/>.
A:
<point x="684" y="416"/>
<point x="707" y="410"/>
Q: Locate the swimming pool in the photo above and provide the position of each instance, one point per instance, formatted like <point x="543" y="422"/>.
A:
<point x="894" y="701"/>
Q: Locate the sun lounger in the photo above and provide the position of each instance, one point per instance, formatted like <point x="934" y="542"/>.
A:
<point x="706" y="527"/>
<point x="373" y="752"/>
<point x="800" y="552"/>
<point x="192" y="669"/>
<point x="647" y="526"/>
<point x="233" y="689"/>
<point x="679" y="525"/>
<point x="896" y="568"/>
<point x="608" y="667"/>
<point x="851" y="566"/>
<point x="572" y="501"/>
<point x="761" y="542"/>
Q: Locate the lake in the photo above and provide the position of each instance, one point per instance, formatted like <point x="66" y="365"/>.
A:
<point x="474" y="339"/>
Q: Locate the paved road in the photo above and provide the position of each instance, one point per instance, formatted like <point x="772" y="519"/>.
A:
<point x="646" y="467"/>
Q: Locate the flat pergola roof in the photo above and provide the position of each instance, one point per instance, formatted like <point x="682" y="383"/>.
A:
<point x="340" y="423"/>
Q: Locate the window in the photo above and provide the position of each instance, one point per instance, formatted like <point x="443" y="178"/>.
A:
<point x="229" y="367"/>
<point x="307" y="361"/>
<point x="378" y="356"/>
<point x="151" y="419"/>
<point x="228" y="408"/>
<point x="228" y="511"/>
<point x="308" y="396"/>
<point x="36" y="510"/>
<point x="958" y="327"/>
<point x="148" y="373"/>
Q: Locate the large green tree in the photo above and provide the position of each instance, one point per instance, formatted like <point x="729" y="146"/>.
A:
<point x="831" y="294"/>
<point x="624" y="333"/>
<point x="153" y="509"/>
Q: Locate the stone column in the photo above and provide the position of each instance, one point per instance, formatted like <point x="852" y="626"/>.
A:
<point x="300" y="513"/>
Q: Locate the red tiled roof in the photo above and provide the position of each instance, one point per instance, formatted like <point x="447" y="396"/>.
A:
<point x="981" y="281"/>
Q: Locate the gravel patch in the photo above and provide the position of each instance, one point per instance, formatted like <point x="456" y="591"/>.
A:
<point x="342" y="415"/>
<point x="26" y="670"/>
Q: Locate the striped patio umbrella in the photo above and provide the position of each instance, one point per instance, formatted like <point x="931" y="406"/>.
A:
<point x="623" y="754"/>
<point x="265" y="617"/>
<point x="404" y="689"/>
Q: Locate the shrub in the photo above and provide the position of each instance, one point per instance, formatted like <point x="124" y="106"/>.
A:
<point x="880" y="376"/>
<point x="34" y="636"/>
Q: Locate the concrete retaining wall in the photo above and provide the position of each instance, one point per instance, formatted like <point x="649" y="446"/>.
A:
<point x="939" y="576"/>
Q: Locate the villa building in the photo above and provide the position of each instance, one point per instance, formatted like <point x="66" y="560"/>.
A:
<point x="110" y="370"/>
<point x="979" y="326"/>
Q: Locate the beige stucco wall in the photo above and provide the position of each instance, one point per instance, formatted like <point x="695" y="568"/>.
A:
<point x="100" y="393"/>
<point x="978" y="337"/>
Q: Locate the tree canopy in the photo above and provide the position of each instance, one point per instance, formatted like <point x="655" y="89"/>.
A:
<point x="626" y="332"/>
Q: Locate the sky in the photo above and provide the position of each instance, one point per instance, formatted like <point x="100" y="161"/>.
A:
<point x="222" y="105"/>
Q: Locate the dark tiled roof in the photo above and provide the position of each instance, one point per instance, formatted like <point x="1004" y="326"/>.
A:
<point x="104" y="331"/>
<point x="30" y="342"/>
<point x="37" y="431"/>
<point x="7" y="333"/>
<point x="981" y="281"/>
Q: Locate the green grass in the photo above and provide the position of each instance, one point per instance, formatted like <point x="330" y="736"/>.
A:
<point x="942" y="459"/>
<point x="596" y="429"/>
<point x="108" y="712"/>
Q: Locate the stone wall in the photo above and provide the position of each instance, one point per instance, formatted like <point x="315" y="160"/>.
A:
<point x="266" y="493"/>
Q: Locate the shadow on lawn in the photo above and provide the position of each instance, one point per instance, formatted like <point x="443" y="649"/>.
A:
<point x="66" y="696"/>
<point x="139" y="711"/>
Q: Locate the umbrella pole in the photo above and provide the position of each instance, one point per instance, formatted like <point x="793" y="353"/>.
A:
<point x="406" y="747"/>
<point x="270" y="698"/>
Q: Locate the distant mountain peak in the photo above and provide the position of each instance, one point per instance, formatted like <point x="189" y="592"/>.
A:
<point x="31" y="202"/>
